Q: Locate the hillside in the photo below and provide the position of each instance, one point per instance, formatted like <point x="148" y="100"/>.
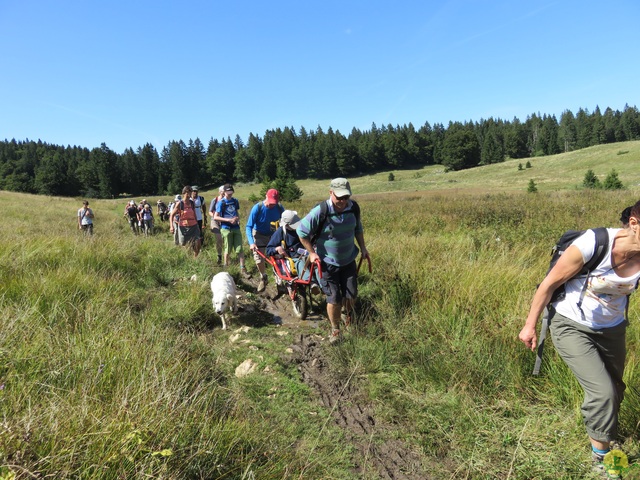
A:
<point x="555" y="172"/>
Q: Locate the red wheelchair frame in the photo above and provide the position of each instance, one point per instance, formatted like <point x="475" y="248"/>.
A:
<point x="299" y="290"/>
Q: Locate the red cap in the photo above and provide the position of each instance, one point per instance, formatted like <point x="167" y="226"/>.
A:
<point x="272" y="196"/>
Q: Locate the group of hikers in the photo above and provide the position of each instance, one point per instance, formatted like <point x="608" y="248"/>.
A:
<point x="328" y="234"/>
<point x="587" y="321"/>
<point x="141" y="217"/>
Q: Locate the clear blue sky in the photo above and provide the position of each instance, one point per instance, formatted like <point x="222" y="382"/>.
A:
<point x="132" y="72"/>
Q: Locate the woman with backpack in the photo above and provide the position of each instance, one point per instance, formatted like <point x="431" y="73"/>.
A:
<point x="188" y="230"/>
<point x="588" y="325"/>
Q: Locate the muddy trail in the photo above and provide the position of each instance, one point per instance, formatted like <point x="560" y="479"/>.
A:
<point x="377" y="445"/>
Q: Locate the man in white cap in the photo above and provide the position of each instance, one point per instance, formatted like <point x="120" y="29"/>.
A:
<point x="215" y="225"/>
<point x="328" y="233"/>
<point x="260" y="226"/>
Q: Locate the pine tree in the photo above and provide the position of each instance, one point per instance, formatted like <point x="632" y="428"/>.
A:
<point x="590" y="180"/>
<point x="612" y="182"/>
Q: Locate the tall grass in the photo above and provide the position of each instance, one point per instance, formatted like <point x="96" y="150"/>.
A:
<point x="452" y="287"/>
<point x="111" y="367"/>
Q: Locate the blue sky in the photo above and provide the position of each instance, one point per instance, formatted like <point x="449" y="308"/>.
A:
<point x="132" y="72"/>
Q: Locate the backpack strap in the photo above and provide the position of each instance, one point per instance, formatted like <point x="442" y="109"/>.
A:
<point x="325" y="214"/>
<point x="600" y="249"/>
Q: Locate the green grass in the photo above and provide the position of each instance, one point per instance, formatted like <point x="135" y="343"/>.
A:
<point x="112" y="364"/>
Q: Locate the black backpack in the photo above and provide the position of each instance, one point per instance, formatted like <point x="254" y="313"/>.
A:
<point x="567" y="238"/>
<point x="324" y="215"/>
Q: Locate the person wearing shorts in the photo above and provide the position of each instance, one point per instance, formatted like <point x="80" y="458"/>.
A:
<point x="228" y="215"/>
<point x="260" y="226"/>
<point x="333" y="243"/>
<point x="85" y="219"/>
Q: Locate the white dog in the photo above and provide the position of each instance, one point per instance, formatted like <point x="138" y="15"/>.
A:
<point x="224" y="296"/>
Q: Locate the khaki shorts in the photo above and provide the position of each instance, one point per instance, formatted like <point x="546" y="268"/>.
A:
<point x="261" y="242"/>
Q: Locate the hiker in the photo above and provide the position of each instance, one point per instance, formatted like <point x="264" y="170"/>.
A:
<point x="198" y="200"/>
<point x="163" y="211"/>
<point x="146" y="216"/>
<point x="334" y="246"/>
<point x="215" y="225"/>
<point x="132" y="215"/>
<point x="188" y="231"/>
<point x="174" y="223"/>
<point x="261" y="224"/>
<point x="286" y="243"/>
<point x="228" y="214"/>
<point x="85" y="219"/>
<point x="588" y="325"/>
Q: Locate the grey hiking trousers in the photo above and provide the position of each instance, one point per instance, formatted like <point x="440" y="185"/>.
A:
<point x="596" y="357"/>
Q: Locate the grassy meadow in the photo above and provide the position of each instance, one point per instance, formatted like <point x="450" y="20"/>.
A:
<point x="113" y="365"/>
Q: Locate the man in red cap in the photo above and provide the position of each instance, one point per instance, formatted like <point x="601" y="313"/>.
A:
<point x="261" y="224"/>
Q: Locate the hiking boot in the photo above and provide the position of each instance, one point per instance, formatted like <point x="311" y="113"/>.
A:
<point x="219" y="262"/>
<point x="263" y="283"/>
<point x="336" y="336"/>
<point x="315" y="289"/>
<point x="608" y="465"/>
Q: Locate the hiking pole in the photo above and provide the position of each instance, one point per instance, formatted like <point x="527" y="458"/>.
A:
<point x="543" y="335"/>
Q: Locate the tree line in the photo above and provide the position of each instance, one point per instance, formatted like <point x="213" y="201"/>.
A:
<point x="284" y="155"/>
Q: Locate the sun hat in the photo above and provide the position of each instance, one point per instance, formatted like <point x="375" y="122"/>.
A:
<point x="131" y="202"/>
<point x="194" y="188"/>
<point x="228" y="188"/>
<point x="221" y="189"/>
<point x="272" y="196"/>
<point x="290" y="218"/>
<point x="178" y="198"/>
<point x="340" y="187"/>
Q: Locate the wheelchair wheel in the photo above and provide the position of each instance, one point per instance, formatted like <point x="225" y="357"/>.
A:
<point x="300" y="306"/>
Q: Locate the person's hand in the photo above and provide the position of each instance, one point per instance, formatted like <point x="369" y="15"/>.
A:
<point x="313" y="256"/>
<point x="253" y="247"/>
<point x="365" y="253"/>
<point x="528" y="337"/>
<point x="171" y="229"/>
<point x="280" y="250"/>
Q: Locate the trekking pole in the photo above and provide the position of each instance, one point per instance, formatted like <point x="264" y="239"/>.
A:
<point x="543" y="335"/>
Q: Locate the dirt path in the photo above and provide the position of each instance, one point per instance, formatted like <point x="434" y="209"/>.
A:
<point x="379" y="449"/>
